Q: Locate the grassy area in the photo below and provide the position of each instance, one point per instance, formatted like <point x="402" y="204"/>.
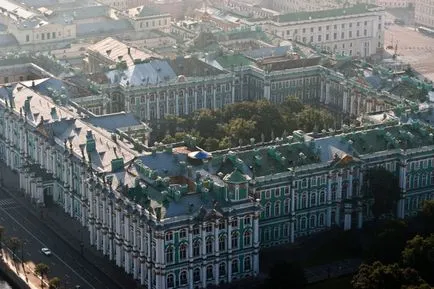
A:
<point x="337" y="283"/>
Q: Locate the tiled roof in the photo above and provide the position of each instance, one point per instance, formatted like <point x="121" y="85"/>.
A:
<point x="106" y="26"/>
<point x="267" y="52"/>
<point x="150" y="73"/>
<point x="79" y="13"/>
<point x="228" y="61"/>
<point x="315" y="15"/>
<point x="118" y="51"/>
<point x="114" y="121"/>
<point x="65" y="124"/>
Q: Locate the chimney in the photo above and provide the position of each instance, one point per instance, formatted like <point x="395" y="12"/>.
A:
<point x="129" y="50"/>
<point x="33" y="83"/>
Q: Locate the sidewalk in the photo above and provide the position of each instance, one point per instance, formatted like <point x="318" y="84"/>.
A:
<point x="70" y="231"/>
<point x="25" y="273"/>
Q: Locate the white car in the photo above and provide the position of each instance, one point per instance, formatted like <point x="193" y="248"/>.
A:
<point x="46" y="251"/>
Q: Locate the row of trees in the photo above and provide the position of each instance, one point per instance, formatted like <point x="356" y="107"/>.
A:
<point x="240" y="123"/>
<point x="41" y="269"/>
<point x="400" y="254"/>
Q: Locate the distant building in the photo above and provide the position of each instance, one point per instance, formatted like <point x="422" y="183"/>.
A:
<point x="30" y="28"/>
<point x="123" y="4"/>
<point x="145" y="18"/>
<point x="423" y="13"/>
<point x="111" y="52"/>
<point x="353" y="31"/>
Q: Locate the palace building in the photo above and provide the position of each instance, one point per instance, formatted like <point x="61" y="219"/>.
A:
<point x="158" y="88"/>
<point x="160" y="215"/>
<point x="180" y="217"/>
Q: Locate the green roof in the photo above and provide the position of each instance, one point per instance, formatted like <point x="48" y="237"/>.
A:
<point x="226" y="61"/>
<point x="302" y="16"/>
<point x="236" y="177"/>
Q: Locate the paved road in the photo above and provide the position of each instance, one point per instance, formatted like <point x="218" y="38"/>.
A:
<point x="64" y="263"/>
<point x="414" y="48"/>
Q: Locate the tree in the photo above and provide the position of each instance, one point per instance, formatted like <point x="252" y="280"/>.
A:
<point x="419" y="254"/>
<point x="379" y="276"/>
<point x="383" y="187"/>
<point x="388" y="241"/>
<point x="2" y="231"/>
<point x="205" y="122"/>
<point x="425" y="218"/>
<point x="285" y="275"/>
<point x="54" y="283"/>
<point x="42" y="270"/>
<point x="311" y="119"/>
<point x="240" y="128"/>
<point x="14" y="244"/>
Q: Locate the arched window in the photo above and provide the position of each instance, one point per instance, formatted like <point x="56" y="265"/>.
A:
<point x="276" y="233"/>
<point x="170" y="281"/>
<point x="183" y="252"/>
<point x="312" y="221"/>
<point x="313" y="199"/>
<point x="322" y="197"/>
<point x="234" y="240"/>
<point x="209" y="272"/>
<point x="234" y="266"/>
<point x="222" y="269"/>
<point x="196" y="248"/>
<point x="196" y="275"/>
<point x="267" y="210"/>
<point x="277" y="209"/>
<point x="286" y="204"/>
<point x="247" y="264"/>
<point x="321" y="220"/>
<point x="247" y="239"/>
<point x="209" y="245"/>
<point x="169" y="254"/>
<point x="169" y="236"/>
<point x="304" y="201"/>
<point x="183" y="278"/>
<point x="222" y="243"/>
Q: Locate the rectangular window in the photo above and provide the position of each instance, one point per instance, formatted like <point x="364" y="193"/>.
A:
<point x="42" y="36"/>
<point x="48" y="35"/>
<point x="277" y="193"/>
<point x="267" y="194"/>
<point x="54" y="35"/>
<point x="27" y="38"/>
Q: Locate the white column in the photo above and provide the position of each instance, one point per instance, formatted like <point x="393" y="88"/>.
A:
<point x="190" y="278"/>
<point x="203" y="232"/>
<point x="403" y="184"/>
<point x="229" y="266"/>
<point x="329" y="201"/>
<point x="203" y="277"/>
<point x="190" y="242"/>
<point x="216" y="274"/>
<point x="347" y="218"/>
<point x="359" y="215"/>
<point x="142" y="272"/>
<point x="292" y="212"/>
<point x="118" y="236"/>
<point x="216" y="238"/>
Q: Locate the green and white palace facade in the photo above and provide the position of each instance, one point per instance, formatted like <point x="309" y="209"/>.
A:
<point x="179" y="217"/>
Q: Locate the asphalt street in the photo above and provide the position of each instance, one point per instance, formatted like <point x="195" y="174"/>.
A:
<point x="64" y="262"/>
